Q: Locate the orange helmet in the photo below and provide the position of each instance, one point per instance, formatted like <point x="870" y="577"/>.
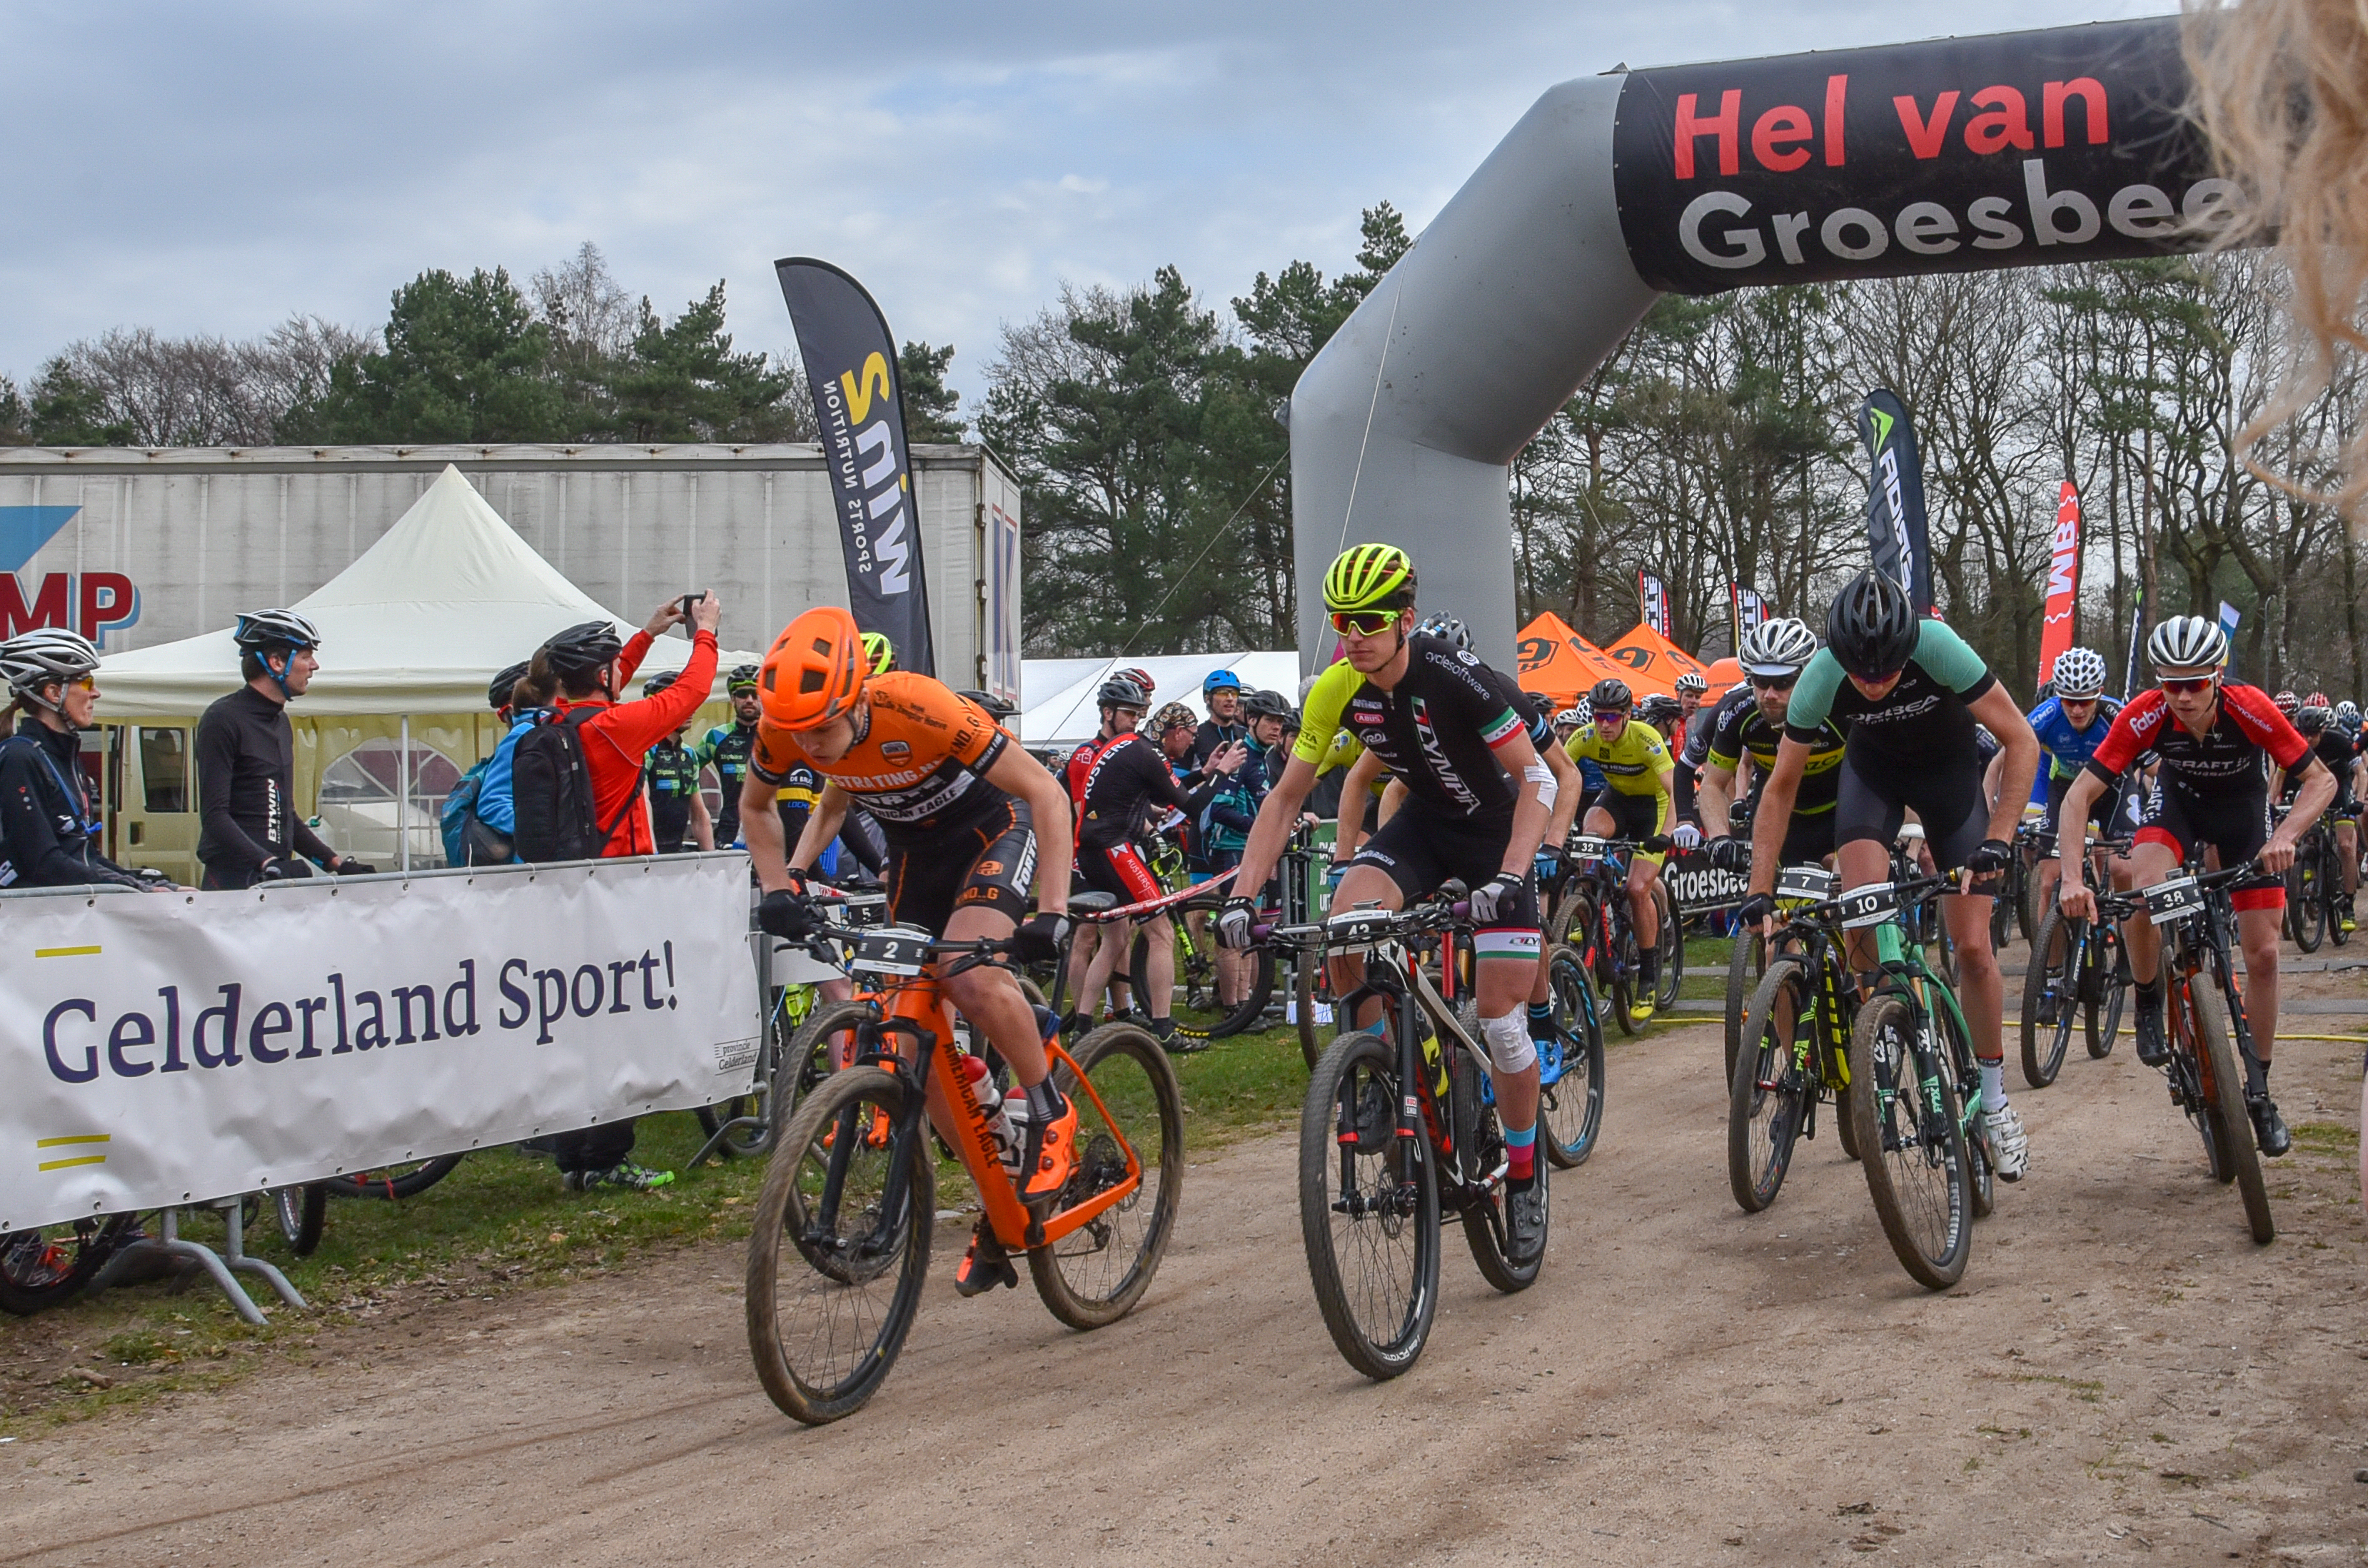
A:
<point x="814" y="671"/>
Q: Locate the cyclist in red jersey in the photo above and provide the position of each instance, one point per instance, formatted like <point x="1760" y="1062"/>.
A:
<point x="2213" y="735"/>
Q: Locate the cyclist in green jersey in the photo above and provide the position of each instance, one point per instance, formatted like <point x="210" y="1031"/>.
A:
<point x="1910" y="691"/>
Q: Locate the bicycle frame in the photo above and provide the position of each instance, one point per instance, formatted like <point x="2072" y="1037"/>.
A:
<point x="1428" y="1106"/>
<point x="914" y="1009"/>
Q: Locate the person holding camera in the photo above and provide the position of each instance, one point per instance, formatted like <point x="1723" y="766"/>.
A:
<point x="249" y="831"/>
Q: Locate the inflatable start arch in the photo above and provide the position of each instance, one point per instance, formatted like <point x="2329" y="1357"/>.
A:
<point x="2067" y="145"/>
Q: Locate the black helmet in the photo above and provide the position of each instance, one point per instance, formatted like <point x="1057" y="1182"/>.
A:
<point x="996" y="709"/>
<point x="1121" y="692"/>
<point x="1611" y="695"/>
<point x="1872" y="626"/>
<point x="261" y="629"/>
<point x="1266" y="705"/>
<point x="659" y="682"/>
<point x="2310" y="721"/>
<point x="584" y="648"/>
<point x="497" y="694"/>
<point x="744" y="677"/>
<point x="1659" y="709"/>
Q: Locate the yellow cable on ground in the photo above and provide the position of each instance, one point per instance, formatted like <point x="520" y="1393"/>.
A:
<point x="2332" y="1038"/>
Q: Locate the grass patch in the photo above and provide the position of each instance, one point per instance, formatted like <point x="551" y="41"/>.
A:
<point x="2093" y="1392"/>
<point x="2328" y="1138"/>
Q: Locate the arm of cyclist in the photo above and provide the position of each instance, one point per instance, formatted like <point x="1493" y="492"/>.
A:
<point x="2317" y="793"/>
<point x="1533" y="806"/>
<point x="1356" y="799"/>
<point x="703" y="825"/>
<point x="1769" y="824"/>
<point x="1277" y="817"/>
<point x="1684" y="833"/>
<point x="2073" y="895"/>
<point x="1022" y="776"/>
<point x="1568" y="788"/>
<point x="2018" y="760"/>
<point x="1714" y="799"/>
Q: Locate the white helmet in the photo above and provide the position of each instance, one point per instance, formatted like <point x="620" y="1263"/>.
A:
<point x="1778" y="647"/>
<point x="1693" y="681"/>
<point x="261" y="629"/>
<point x="41" y="657"/>
<point x="1568" y="716"/>
<point x="2079" y="673"/>
<point x="2188" y="642"/>
<point x="1585" y="711"/>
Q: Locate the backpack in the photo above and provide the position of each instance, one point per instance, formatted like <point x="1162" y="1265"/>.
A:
<point x="550" y="790"/>
<point x="468" y="839"/>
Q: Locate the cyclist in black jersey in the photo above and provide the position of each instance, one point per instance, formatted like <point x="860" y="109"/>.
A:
<point x="1113" y="781"/>
<point x="2340" y="752"/>
<point x="1909" y="691"/>
<point x="727" y="750"/>
<point x="1750" y="725"/>
<point x="248" y="829"/>
<point x="1479" y="801"/>
<point x="50" y="823"/>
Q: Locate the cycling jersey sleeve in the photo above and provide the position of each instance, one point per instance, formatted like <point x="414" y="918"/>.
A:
<point x="1951" y="660"/>
<point x="1144" y="763"/>
<point x="1812" y="697"/>
<point x="216" y="749"/>
<point x="2131" y="732"/>
<point x="1726" y="742"/>
<point x="1320" y="719"/>
<point x="2262" y="724"/>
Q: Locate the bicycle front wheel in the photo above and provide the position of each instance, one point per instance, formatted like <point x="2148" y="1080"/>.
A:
<point x="1095" y="1274"/>
<point x="839" y="1247"/>
<point x="408" y="1180"/>
<point x="2105" y="983"/>
<point x="300" y="1211"/>
<point x="2051" y="995"/>
<point x="1768" y="1091"/>
<point x="1304" y="968"/>
<point x="2232" y="1124"/>
<point x="2305" y="912"/>
<point x="1746" y="965"/>
<point x="1671" y="941"/>
<point x="813" y="1053"/>
<point x="1202" y="1015"/>
<point x="1570" y="1109"/>
<point x="1905" y="1102"/>
<point x="1368" y="1209"/>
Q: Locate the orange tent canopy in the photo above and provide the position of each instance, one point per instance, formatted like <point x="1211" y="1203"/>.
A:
<point x="1725" y="674"/>
<point x="1558" y="664"/>
<point x="1650" y="662"/>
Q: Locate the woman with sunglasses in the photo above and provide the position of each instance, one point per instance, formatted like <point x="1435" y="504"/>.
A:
<point x="49" y="826"/>
<point x="2215" y="738"/>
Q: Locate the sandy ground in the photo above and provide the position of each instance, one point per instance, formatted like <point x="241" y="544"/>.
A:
<point x="2122" y="1376"/>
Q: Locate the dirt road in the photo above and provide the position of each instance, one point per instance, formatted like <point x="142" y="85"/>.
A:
<point x="2122" y="1377"/>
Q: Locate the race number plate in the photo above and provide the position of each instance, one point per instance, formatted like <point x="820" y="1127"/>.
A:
<point x="1806" y="885"/>
<point x="2170" y="902"/>
<point x="1357" y="928"/>
<point x="1877" y="903"/>
<point x="890" y="949"/>
<point x="1586" y="847"/>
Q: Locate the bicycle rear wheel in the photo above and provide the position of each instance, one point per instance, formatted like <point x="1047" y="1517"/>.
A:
<point x="406" y="1180"/>
<point x="1095" y="1274"/>
<point x="300" y="1210"/>
<point x="1368" y="1209"/>
<point x="1204" y="1016"/>
<point x="1570" y="1109"/>
<point x="2050" y="996"/>
<point x="1768" y="1091"/>
<point x="1909" y="1141"/>
<point x="828" y="1311"/>
<point x="1305" y="967"/>
<point x="49" y="1266"/>
<point x="2225" y="1085"/>
<point x="2305" y="912"/>
<point x="2105" y="981"/>
<point x="812" y="1054"/>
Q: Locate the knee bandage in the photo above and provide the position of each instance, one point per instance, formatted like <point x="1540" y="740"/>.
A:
<point x="1509" y="1046"/>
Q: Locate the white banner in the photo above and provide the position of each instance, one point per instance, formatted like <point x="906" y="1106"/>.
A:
<point x="175" y="1048"/>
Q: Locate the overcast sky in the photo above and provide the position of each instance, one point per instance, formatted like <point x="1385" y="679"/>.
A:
<point x="217" y="168"/>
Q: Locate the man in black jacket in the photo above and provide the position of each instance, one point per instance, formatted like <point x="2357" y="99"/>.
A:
<point x="49" y="822"/>
<point x="248" y="829"/>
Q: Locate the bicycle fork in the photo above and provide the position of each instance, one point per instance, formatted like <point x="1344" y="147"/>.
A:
<point x="871" y="1054"/>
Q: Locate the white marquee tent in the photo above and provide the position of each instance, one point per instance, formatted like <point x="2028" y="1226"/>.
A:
<point x="418" y="624"/>
<point x="1056" y="696"/>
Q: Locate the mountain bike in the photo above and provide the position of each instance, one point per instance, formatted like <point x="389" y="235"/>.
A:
<point x="1797" y="1026"/>
<point x="2077" y="966"/>
<point x="1200" y="1012"/>
<point x="2314" y="888"/>
<point x="48" y="1266"/>
<point x="1395" y="1132"/>
<point x="1570" y="1060"/>
<point x="2012" y="909"/>
<point x="1594" y="917"/>
<point x="2203" y="1012"/>
<point x="844" y="1226"/>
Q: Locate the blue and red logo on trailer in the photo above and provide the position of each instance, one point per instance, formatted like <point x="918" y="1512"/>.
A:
<point x="92" y="603"/>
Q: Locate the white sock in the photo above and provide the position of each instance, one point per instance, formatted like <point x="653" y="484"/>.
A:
<point x="1994" y="1084"/>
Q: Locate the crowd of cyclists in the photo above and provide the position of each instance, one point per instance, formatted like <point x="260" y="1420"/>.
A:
<point x="1439" y="771"/>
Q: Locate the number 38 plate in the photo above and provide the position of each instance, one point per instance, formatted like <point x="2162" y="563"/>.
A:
<point x="2170" y="902"/>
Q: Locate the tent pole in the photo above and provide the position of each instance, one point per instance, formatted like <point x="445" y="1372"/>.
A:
<point x="402" y="802"/>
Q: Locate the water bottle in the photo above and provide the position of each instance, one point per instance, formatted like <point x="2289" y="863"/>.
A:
<point x="999" y="1113"/>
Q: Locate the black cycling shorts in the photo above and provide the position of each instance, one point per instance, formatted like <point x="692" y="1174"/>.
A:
<point x="1419" y="849"/>
<point x="991" y="862"/>
<point x="1947" y="800"/>
<point x="2101" y="810"/>
<point x="1639" y="817"/>
<point x="1808" y="839"/>
<point x="1117" y="869"/>
<point x="2236" y="827"/>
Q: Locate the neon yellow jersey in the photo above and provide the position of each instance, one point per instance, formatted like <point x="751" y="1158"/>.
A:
<point x="1632" y="765"/>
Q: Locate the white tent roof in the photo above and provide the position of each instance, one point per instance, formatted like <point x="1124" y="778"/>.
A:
<point x="1056" y="696"/>
<point x="418" y="624"/>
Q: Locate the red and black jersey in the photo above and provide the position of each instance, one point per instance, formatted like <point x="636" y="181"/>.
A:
<point x="1112" y="782"/>
<point x="2225" y="762"/>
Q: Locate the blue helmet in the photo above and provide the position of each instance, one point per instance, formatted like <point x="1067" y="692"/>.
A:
<point x="1219" y="680"/>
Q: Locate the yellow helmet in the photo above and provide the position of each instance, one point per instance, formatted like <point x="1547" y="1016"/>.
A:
<point x="878" y="654"/>
<point x="1369" y="576"/>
